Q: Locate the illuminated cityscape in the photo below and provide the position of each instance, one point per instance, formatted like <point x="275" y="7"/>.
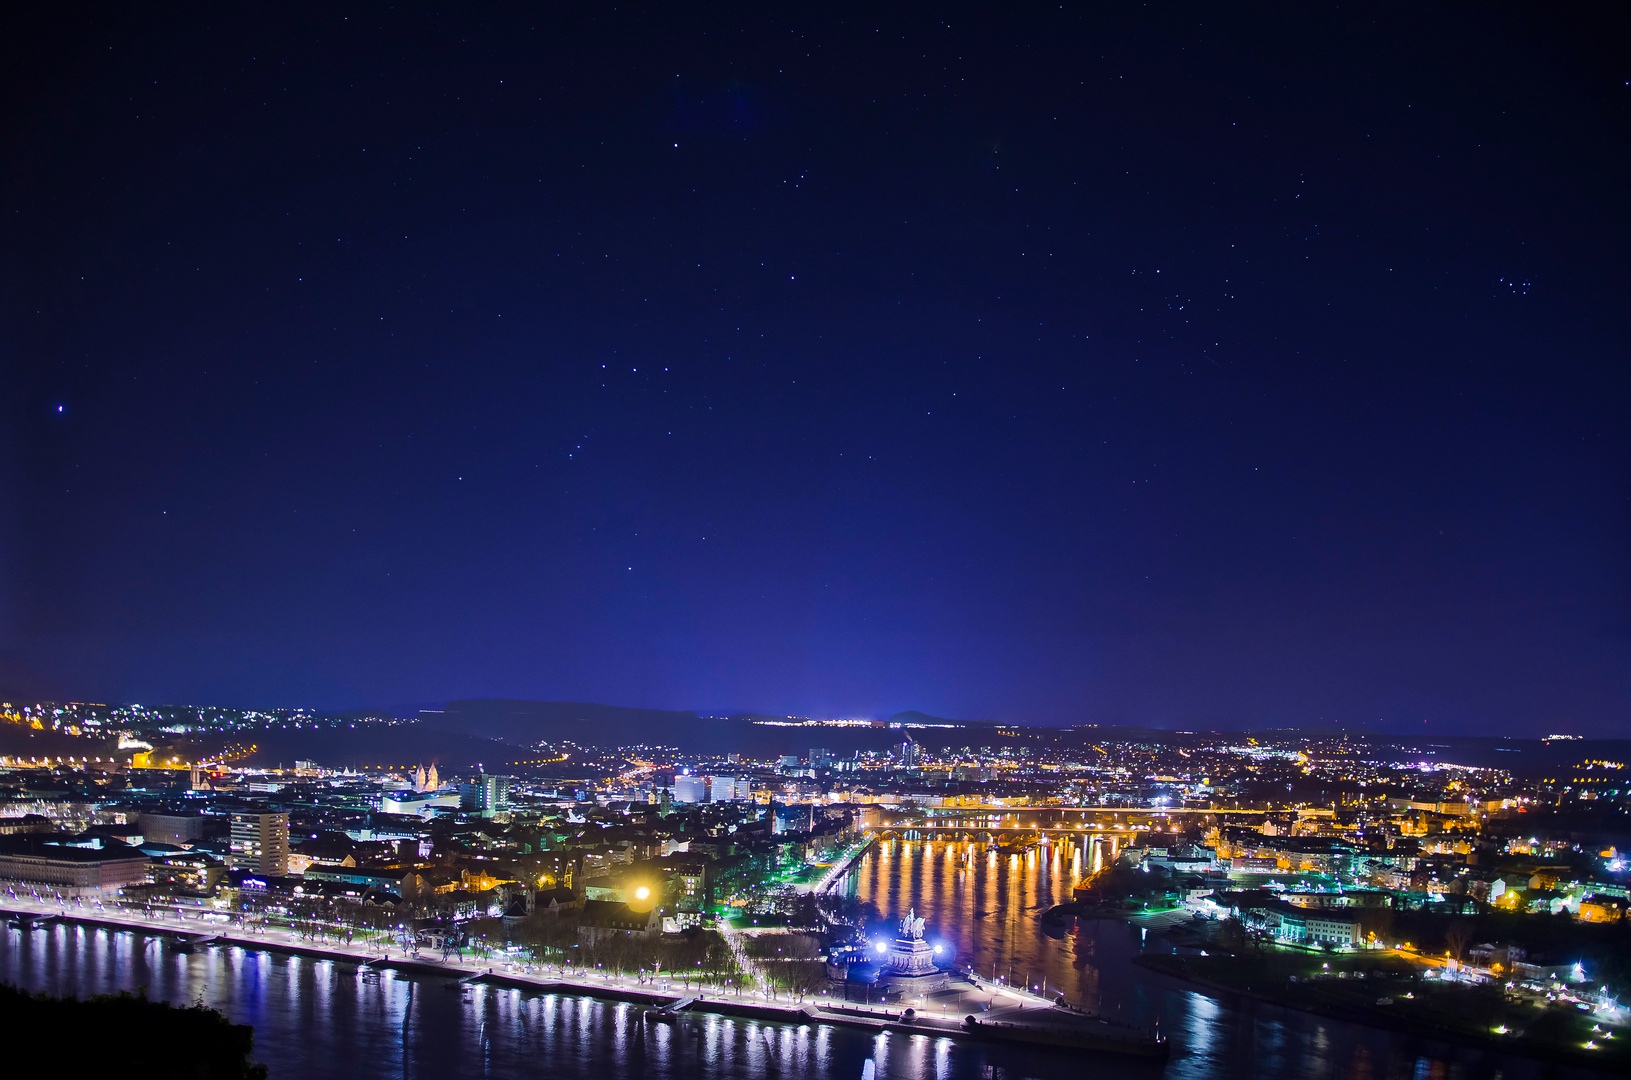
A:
<point x="911" y="873"/>
<point x="815" y="542"/>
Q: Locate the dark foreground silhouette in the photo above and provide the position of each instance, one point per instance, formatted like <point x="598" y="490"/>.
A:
<point x="123" y="1035"/>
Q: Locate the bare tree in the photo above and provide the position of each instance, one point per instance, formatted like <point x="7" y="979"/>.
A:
<point x="1232" y="934"/>
<point x="806" y="970"/>
<point x="1456" y="937"/>
<point x="1377" y="922"/>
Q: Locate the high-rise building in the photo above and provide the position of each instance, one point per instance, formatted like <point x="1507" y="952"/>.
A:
<point x="690" y="789"/>
<point x="820" y="757"/>
<point x="487" y="795"/>
<point x="729" y="789"/>
<point x="260" y="843"/>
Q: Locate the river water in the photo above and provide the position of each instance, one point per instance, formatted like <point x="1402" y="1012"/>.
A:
<point x="986" y="908"/>
<point x="319" y="1018"/>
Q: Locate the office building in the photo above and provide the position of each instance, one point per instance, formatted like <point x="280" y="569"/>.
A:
<point x="729" y="789"/>
<point x="690" y="789"/>
<point x="260" y="843"/>
<point x="29" y="863"/>
<point x="488" y="796"/>
<point x="182" y="830"/>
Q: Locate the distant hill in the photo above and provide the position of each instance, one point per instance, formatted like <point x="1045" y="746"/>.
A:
<point x="912" y="716"/>
<point x="526" y="723"/>
<point x="372" y="746"/>
<point x="757" y="735"/>
<point x="18" y="740"/>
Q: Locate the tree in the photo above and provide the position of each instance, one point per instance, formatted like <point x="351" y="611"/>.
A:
<point x="806" y="970"/>
<point x="1377" y="922"/>
<point x="1456" y="937"/>
<point x="1232" y="934"/>
<point x="1259" y="936"/>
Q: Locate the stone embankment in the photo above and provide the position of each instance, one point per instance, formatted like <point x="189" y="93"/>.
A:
<point x="1043" y="1024"/>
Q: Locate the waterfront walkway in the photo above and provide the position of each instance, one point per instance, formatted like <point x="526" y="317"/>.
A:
<point x="938" y="1014"/>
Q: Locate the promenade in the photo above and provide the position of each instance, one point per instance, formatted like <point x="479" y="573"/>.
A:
<point x="942" y="1015"/>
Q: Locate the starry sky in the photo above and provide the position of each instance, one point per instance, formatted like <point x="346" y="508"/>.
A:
<point x="1154" y="363"/>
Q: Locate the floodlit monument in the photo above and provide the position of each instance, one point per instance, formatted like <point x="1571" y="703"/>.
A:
<point x="911" y="967"/>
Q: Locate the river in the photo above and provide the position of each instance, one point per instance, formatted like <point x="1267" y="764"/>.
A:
<point x="987" y="907"/>
<point x="320" y="1018"/>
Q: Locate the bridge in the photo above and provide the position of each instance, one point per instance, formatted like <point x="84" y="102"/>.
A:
<point x="1118" y="811"/>
<point x="1060" y="819"/>
<point x="919" y="831"/>
<point x="1021" y="825"/>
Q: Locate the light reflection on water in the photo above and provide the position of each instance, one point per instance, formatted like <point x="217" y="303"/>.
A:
<point x="319" y="1018"/>
<point x="988" y="907"/>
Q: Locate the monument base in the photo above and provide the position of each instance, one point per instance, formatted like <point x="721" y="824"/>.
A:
<point x="914" y="985"/>
<point x="911" y="969"/>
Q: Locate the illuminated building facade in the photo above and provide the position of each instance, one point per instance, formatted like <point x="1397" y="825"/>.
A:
<point x="260" y="843"/>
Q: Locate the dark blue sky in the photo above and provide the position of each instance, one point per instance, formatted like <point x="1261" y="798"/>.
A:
<point x="1146" y="364"/>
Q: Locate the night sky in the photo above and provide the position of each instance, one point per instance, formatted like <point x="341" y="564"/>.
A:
<point x="1183" y="365"/>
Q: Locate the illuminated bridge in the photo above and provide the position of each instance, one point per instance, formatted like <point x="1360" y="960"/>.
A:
<point x="1073" y="821"/>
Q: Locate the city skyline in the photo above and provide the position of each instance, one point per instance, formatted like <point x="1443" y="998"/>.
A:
<point x="1033" y="879"/>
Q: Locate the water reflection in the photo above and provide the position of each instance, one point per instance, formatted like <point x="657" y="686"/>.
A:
<point x="318" y="1018"/>
<point x="988" y="906"/>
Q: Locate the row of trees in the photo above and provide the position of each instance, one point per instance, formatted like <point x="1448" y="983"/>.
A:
<point x="695" y="957"/>
<point x="790" y="963"/>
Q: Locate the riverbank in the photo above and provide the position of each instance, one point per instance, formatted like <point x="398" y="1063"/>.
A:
<point x="1388" y="994"/>
<point x="1068" y="1029"/>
